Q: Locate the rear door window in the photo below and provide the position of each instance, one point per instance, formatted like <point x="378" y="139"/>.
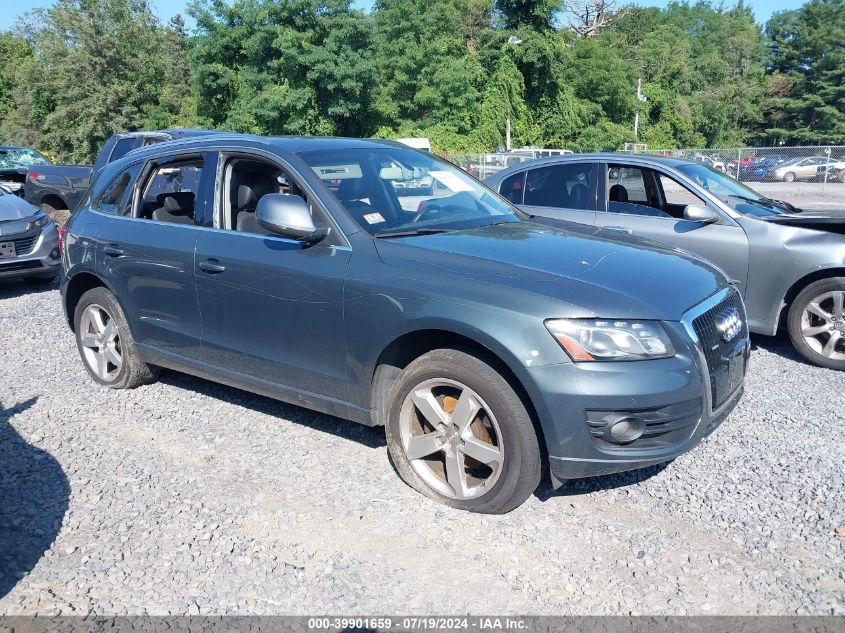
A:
<point x="513" y="187"/>
<point x="172" y="191"/>
<point x="563" y="186"/>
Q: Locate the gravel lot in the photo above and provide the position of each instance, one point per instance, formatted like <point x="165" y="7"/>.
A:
<point x="188" y="497"/>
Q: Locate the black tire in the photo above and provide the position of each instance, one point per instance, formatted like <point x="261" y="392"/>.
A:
<point x="521" y="464"/>
<point x="789" y="177"/>
<point x="133" y="372"/>
<point x="40" y="281"/>
<point x="794" y="322"/>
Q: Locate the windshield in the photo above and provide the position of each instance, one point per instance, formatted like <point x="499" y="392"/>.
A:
<point x="395" y="190"/>
<point x="11" y="158"/>
<point x="739" y="197"/>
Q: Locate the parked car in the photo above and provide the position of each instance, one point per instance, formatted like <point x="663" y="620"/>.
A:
<point x="15" y="162"/>
<point x="789" y="265"/>
<point x="52" y="187"/>
<point x="757" y="169"/>
<point x="29" y="242"/>
<point x="480" y="340"/>
<point x="796" y="169"/>
<point x="835" y="172"/>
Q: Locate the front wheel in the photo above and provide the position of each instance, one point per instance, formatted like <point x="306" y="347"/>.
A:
<point x="816" y="323"/>
<point x="459" y="434"/>
<point x="106" y="344"/>
<point x="789" y="177"/>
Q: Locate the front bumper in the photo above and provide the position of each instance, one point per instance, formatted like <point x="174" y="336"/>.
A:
<point x="672" y="396"/>
<point x="39" y="258"/>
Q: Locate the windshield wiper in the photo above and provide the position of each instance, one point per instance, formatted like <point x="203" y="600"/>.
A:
<point x="780" y="204"/>
<point x="430" y="230"/>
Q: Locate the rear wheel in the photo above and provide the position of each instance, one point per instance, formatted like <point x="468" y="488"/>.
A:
<point x="458" y="433"/>
<point x="106" y="344"/>
<point x="817" y="323"/>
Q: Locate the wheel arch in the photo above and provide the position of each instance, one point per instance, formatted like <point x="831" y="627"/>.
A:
<point x="77" y="286"/>
<point x="405" y="348"/>
<point x="54" y="200"/>
<point x="796" y="288"/>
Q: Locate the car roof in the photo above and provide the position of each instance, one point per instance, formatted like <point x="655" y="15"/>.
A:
<point x="199" y="139"/>
<point x="668" y="161"/>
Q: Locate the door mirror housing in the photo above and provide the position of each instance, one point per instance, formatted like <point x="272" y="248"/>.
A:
<point x="699" y="213"/>
<point x="288" y="216"/>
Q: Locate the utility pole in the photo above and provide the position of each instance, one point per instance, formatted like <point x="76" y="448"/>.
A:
<point x="642" y="99"/>
<point x="508" y="134"/>
<point x="513" y="40"/>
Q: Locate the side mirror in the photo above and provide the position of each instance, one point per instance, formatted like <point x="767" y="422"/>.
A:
<point x="698" y="213"/>
<point x="288" y="216"/>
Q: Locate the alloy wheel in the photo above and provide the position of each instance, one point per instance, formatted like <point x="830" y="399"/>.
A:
<point x="100" y="342"/>
<point x="451" y="438"/>
<point x="823" y="324"/>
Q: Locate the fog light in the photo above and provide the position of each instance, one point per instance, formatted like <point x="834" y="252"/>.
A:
<point x="624" y="429"/>
<point x="54" y="254"/>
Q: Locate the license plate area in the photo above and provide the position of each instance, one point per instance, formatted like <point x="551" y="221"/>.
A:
<point x="728" y="377"/>
<point x="7" y="250"/>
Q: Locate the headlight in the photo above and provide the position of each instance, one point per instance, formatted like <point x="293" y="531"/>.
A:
<point x="39" y="220"/>
<point x="601" y="339"/>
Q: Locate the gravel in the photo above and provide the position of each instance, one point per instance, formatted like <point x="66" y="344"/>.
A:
<point x="187" y="497"/>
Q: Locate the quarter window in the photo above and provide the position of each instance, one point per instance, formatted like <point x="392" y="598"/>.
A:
<point x="116" y="196"/>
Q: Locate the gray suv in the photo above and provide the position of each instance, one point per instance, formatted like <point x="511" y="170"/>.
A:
<point x="306" y="270"/>
<point x="788" y="263"/>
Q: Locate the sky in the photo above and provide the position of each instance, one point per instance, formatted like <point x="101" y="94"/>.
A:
<point x="763" y="9"/>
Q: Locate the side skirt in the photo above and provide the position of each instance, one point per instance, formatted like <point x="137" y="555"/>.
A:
<point x="253" y="384"/>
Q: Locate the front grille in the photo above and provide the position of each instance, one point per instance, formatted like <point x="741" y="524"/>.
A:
<point x="23" y="245"/>
<point x="721" y="355"/>
<point x="11" y="266"/>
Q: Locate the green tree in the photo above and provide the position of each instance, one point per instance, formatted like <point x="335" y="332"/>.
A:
<point x="284" y="67"/>
<point x="805" y="96"/>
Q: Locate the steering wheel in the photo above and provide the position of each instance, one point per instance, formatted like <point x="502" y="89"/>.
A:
<point x="435" y="208"/>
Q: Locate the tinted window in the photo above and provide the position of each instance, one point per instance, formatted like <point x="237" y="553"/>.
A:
<point x="115" y="197"/>
<point x="565" y="186"/>
<point x="513" y="187"/>
<point x="122" y="147"/>
<point x="171" y="191"/>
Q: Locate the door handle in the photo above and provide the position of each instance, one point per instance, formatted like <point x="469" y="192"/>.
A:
<point x="112" y="250"/>
<point x="212" y="266"/>
<point x="619" y="229"/>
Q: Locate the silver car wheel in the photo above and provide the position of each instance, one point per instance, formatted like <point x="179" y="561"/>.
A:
<point x="451" y="438"/>
<point x="823" y="324"/>
<point x="100" y="342"/>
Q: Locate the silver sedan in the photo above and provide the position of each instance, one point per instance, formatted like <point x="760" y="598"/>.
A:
<point x="29" y="241"/>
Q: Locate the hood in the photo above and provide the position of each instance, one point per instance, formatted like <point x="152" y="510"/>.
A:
<point x="15" y="208"/>
<point x="830" y="220"/>
<point x="601" y="273"/>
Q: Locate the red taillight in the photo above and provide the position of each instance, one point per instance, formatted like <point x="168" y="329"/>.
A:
<point x="62" y="233"/>
<point x="33" y="175"/>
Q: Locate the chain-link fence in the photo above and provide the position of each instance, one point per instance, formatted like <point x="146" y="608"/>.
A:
<point x="819" y="164"/>
<point x="804" y="176"/>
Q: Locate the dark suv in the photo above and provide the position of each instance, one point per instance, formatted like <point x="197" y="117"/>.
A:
<point x="303" y="269"/>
